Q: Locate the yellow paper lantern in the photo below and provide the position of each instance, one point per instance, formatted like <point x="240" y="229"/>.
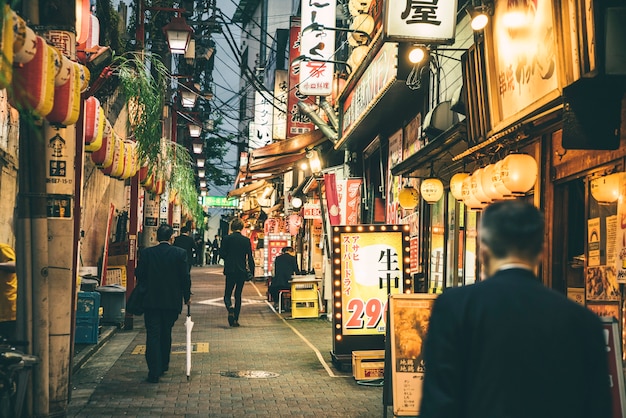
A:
<point x="469" y="199"/>
<point x="487" y="182"/>
<point x="519" y="173"/>
<point x="477" y="186"/>
<point x="432" y="190"/>
<point x="456" y="185"/>
<point x="605" y="189"/>
<point x="408" y="197"/>
<point x="498" y="183"/>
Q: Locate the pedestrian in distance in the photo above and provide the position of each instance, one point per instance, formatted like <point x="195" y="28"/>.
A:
<point x="163" y="271"/>
<point x="236" y="251"/>
<point x="285" y="266"/>
<point x="215" y="250"/>
<point x="187" y="243"/>
<point x="508" y="346"/>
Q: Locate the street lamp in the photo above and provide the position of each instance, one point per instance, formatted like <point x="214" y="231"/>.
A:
<point x="178" y="32"/>
<point x="194" y="130"/>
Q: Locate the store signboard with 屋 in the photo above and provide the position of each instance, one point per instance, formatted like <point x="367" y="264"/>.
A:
<point x="426" y="22"/>
<point x="317" y="45"/>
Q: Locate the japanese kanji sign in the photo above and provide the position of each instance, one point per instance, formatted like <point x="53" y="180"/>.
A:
<point x="318" y="46"/>
<point x="423" y="21"/>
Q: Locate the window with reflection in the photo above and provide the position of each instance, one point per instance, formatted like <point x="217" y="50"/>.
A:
<point x="436" y="245"/>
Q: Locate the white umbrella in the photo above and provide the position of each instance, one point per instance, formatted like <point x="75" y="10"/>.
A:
<point x="188" y="327"/>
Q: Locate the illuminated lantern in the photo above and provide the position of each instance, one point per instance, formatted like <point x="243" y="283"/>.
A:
<point x="519" y="173"/>
<point x="33" y="82"/>
<point x="469" y="199"/>
<point x="338" y="85"/>
<point x="477" y="186"/>
<point x="456" y="185"/>
<point x="66" y="108"/>
<point x="432" y="190"/>
<point x="605" y="189"/>
<point x="294" y="221"/>
<point x="361" y="22"/>
<point x="356" y="7"/>
<point x="103" y="157"/>
<point x="117" y="165"/>
<point x="498" y="184"/>
<point x="93" y="124"/>
<point x="6" y="47"/>
<point x="408" y="197"/>
<point x="83" y="20"/>
<point x="487" y="182"/>
<point x="24" y="51"/>
<point x="358" y="55"/>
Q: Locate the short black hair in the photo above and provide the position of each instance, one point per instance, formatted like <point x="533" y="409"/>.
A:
<point x="287" y="249"/>
<point x="512" y="227"/>
<point x="184" y="229"/>
<point x="236" y="224"/>
<point x="164" y="233"/>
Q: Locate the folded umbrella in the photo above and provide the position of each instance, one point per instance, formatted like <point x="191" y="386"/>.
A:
<point x="189" y="327"/>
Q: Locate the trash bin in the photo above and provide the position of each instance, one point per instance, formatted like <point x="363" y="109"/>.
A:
<point x="113" y="302"/>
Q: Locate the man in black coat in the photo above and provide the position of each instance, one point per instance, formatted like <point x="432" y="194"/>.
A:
<point x="508" y="346"/>
<point x="187" y="243"/>
<point x="236" y="251"/>
<point x="162" y="270"/>
<point x="285" y="266"/>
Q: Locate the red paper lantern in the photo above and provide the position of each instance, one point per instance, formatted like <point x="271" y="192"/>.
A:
<point x="93" y="124"/>
<point x="103" y="157"/>
<point x="33" y="82"/>
<point x="66" y="108"/>
<point x="117" y="165"/>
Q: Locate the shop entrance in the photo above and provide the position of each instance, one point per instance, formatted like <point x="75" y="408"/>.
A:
<point x="568" y="232"/>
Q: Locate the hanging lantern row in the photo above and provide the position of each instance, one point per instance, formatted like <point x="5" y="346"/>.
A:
<point x="38" y="76"/>
<point x="509" y="178"/>
<point x="116" y="157"/>
<point x="606" y="189"/>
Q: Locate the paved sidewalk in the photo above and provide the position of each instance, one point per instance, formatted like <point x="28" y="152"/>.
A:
<point x="287" y="362"/>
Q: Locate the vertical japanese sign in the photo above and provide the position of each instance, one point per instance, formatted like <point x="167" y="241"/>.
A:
<point x="394" y="182"/>
<point x="349" y="197"/>
<point x="318" y="46"/>
<point x="263" y="114"/>
<point x="297" y="122"/>
<point x="429" y="21"/>
<point x="273" y="245"/>
<point x="620" y="239"/>
<point x="281" y="91"/>
<point x="409" y="317"/>
<point x="60" y="171"/>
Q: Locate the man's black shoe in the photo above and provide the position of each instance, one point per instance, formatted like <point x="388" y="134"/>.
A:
<point x="231" y="317"/>
<point x="235" y="323"/>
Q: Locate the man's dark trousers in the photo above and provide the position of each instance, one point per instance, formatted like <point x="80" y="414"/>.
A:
<point x="236" y="282"/>
<point x="159" y="323"/>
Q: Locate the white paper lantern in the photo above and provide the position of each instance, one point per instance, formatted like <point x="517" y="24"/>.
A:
<point x="432" y="190"/>
<point x="456" y="185"/>
<point x="477" y="186"/>
<point x="606" y="189"/>
<point x="487" y="182"/>
<point x="469" y="199"/>
<point x="498" y="183"/>
<point x="519" y="173"/>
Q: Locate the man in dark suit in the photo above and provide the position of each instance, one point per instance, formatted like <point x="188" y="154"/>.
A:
<point x="187" y="243"/>
<point x="508" y="347"/>
<point x="236" y="251"/>
<point x="285" y="266"/>
<point x="163" y="272"/>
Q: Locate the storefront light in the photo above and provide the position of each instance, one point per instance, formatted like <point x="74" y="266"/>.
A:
<point x="519" y="173"/>
<point x="417" y="54"/>
<point x="408" y="197"/>
<point x="296" y="202"/>
<point x="479" y="16"/>
<point x="432" y="190"/>
<point x="477" y="186"/>
<point x="456" y="185"/>
<point x="605" y="189"/>
<point x="469" y="199"/>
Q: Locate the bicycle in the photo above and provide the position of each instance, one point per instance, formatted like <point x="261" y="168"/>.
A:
<point x="14" y="372"/>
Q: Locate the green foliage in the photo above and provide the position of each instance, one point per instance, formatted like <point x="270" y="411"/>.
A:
<point x="111" y="26"/>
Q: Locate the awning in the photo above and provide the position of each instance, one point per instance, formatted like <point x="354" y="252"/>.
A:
<point x="438" y="151"/>
<point x="275" y="208"/>
<point x="296" y="145"/>
<point x="275" y="164"/>
<point x="247" y="188"/>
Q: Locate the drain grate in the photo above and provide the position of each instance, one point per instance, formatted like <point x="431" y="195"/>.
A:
<point x="250" y="374"/>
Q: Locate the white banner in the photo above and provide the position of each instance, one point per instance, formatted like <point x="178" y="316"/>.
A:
<point x="263" y="113"/>
<point x="427" y="22"/>
<point x="318" y="45"/>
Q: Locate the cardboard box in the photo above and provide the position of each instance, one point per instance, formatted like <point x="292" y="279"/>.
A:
<point x="368" y="364"/>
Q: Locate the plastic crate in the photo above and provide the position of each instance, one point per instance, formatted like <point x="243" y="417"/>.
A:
<point x="113" y="301"/>
<point x="304" y="308"/>
<point x="88" y="305"/>
<point x="368" y="364"/>
<point x="86" y="331"/>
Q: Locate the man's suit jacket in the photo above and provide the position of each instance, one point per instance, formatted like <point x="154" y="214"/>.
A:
<point x="188" y="244"/>
<point x="162" y="269"/>
<point x="285" y="266"/>
<point x="510" y="347"/>
<point x="236" y="250"/>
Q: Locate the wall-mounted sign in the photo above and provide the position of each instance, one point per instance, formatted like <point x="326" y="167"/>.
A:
<point x="372" y="85"/>
<point x="297" y="122"/>
<point x="263" y="118"/>
<point x="370" y="262"/>
<point x="273" y="245"/>
<point x="219" y="202"/>
<point x="425" y="22"/>
<point x="312" y="210"/>
<point x="281" y="91"/>
<point x="318" y="45"/>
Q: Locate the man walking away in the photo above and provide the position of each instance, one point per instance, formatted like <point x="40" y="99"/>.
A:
<point x="215" y="250"/>
<point x="187" y="243"/>
<point x="508" y="346"/>
<point x="164" y="273"/>
<point x="236" y="251"/>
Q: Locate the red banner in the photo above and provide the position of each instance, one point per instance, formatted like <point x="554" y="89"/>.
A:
<point x="297" y="122"/>
<point x="352" y="202"/>
<point x="332" y="200"/>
